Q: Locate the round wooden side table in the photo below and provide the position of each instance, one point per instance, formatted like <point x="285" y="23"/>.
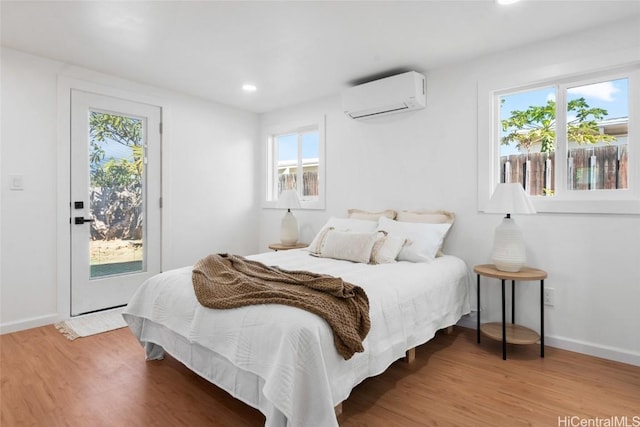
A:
<point x="511" y="333"/>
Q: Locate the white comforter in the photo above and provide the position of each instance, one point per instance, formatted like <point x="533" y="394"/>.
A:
<point x="290" y="350"/>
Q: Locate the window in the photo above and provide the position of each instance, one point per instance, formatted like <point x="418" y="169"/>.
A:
<point x="527" y="124"/>
<point x="567" y="141"/>
<point x="295" y="158"/>
<point x="597" y="136"/>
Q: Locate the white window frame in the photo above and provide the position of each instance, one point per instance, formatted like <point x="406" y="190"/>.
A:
<point x="625" y="201"/>
<point x="271" y="155"/>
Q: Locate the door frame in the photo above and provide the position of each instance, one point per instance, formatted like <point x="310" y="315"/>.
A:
<point x="94" y="293"/>
<point x="64" y="212"/>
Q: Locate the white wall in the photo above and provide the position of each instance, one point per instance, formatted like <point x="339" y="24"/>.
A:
<point x="428" y="159"/>
<point x="422" y="159"/>
<point x="208" y="183"/>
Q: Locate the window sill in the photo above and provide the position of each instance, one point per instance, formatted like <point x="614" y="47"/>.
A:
<point x="304" y="205"/>
<point x="586" y="202"/>
<point x="620" y="206"/>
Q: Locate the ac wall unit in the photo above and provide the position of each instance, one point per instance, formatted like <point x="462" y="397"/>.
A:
<point x="395" y="94"/>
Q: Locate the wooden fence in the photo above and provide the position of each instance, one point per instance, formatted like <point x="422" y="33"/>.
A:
<point x="288" y="181"/>
<point x="592" y="168"/>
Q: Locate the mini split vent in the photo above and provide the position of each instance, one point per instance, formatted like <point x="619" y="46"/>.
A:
<point x="395" y="94"/>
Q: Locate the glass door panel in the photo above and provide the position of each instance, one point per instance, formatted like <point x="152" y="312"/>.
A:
<point x="116" y="194"/>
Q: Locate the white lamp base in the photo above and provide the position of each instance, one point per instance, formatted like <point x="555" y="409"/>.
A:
<point x="289" y="229"/>
<point x="508" y="247"/>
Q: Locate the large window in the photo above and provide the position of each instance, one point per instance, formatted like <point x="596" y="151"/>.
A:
<point x="568" y="141"/>
<point x="295" y="162"/>
<point x="591" y="150"/>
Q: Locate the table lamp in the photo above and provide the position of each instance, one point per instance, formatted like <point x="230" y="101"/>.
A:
<point x="508" y="246"/>
<point x="288" y="200"/>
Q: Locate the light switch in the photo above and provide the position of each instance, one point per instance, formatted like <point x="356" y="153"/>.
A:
<point x="16" y="182"/>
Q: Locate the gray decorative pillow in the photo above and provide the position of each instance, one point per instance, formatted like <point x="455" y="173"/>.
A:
<point x="348" y="245"/>
<point x="342" y="224"/>
<point x="386" y="248"/>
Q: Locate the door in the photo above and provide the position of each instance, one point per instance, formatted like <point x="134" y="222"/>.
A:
<point x="115" y="199"/>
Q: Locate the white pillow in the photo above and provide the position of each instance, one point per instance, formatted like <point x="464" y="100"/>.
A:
<point x="348" y="245"/>
<point x="340" y="224"/>
<point x="386" y="248"/>
<point x="427" y="216"/>
<point x="423" y="240"/>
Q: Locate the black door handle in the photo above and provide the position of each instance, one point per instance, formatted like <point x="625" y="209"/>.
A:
<point x="80" y="220"/>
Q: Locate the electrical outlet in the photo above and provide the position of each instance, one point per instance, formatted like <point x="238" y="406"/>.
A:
<point x="16" y="182"/>
<point x="549" y="297"/>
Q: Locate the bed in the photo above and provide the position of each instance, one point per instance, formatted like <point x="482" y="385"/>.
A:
<point x="282" y="360"/>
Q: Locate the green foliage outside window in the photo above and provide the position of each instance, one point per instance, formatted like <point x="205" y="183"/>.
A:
<point x="537" y="125"/>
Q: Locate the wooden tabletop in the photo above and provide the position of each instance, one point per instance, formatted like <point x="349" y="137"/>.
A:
<point x="283" y="247"/>
<point x="526" y="273"/>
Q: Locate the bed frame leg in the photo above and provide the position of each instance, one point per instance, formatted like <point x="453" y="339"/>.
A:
<point x="410" y="355"/>
<point x="338" y="409"/>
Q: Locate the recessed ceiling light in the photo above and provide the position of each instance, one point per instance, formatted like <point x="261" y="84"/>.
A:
<point x="248" y="87"/>
<point x="507" y="1"/>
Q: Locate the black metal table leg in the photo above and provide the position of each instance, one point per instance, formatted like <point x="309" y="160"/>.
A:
<point x="513" y="301"/>
<point x="542" y="318"/>
<point x="478" y="329"/>
<point x="504" y="326"/>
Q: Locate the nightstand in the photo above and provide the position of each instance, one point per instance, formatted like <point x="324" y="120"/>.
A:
<point x="282" y="247"/>
<point x="512" y="333"/>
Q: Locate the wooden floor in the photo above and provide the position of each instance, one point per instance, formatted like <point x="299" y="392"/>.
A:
<point x="104" y="380"/>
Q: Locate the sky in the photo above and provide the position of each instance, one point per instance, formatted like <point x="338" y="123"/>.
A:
<point x="288" y="146"/>
<point x="113" y="149"/>
<point x="610" y="95"/>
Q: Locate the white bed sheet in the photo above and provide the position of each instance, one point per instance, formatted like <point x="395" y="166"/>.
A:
<point x="282" y="360"/>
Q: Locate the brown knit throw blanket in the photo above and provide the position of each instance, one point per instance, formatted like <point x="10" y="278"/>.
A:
<point x="228" y="281"/>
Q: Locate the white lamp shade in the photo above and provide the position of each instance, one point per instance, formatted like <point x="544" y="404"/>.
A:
<point x="510" y="199"/>
<point x="288" y="199"/>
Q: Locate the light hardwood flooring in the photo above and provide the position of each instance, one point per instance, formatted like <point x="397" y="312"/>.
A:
<point x="104" y="380"/>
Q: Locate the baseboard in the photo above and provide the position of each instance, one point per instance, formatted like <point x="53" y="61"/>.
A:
<point x="34" y="322"/>
<point x="604" y="352"/>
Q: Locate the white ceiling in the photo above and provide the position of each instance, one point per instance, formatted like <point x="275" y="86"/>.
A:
<point x="292" y="51"/>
